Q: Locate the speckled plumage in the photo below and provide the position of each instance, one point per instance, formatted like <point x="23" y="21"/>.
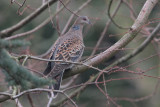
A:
<point x="68" y="47"/>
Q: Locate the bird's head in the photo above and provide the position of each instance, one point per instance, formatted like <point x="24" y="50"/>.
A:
<point x="83" y="20"/>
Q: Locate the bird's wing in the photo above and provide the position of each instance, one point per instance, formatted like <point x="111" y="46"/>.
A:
<point x="50" y="65"/>
<point x="70" y="49"/>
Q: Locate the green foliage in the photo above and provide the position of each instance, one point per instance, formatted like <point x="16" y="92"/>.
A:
<point x="17" y="75"/>
<point x="13" y="43"/>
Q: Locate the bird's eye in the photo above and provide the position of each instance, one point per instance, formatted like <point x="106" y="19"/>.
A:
<point x="84" y="19"/>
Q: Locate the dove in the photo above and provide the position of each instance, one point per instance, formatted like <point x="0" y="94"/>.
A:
<point x="68" y="47"/>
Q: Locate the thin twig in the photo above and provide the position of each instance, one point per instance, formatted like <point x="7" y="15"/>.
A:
<point x="132" y="12"/>
<point x="36" y="28"/>
<point x="105" y="88"/>
<point x="48" y="60"/>
<point x="127" y="38"/>
<point x="21" y="7"/>
<point x="76" y="11"/>
<point x="68" y="8"/>
<point x="18" y="103"/>
<point x="71" y="100"/>
<point x="140" y="48"/>
<point x="74" y="93"/>
<point x="30" y="100"/>
<point x="101" y="90"/>
<point x="69" y="82"/>
<point x="105" y="29"/>
<point x="141" y="98"/>
<point x="140" y="21"/>
<point x="50" y="99"/>
<point x="100" y="82"/>
<point x="7" y="32"/>
<point x="24" y="61"/>
<point x="66" y="26"/>
<point x="84" y="85"/>
<point x="36" y="90"/>
<point x="109" y="7"/>
<point x="57" y="18"/>
<point x="49" y="10"/>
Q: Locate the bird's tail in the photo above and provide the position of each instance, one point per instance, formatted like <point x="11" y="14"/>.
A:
<point x="56" y="86"/>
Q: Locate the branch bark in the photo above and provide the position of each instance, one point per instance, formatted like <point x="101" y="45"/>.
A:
<point x="46" y="21"/>
<point x="105" y="30"/>
<point x="140" y="21"/>
<point x="7" y="32"/>
<point x="135" y="28"/>
<point x="140" y="48"/>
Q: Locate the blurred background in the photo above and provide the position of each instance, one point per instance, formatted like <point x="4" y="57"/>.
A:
<point x="142" y="92"/>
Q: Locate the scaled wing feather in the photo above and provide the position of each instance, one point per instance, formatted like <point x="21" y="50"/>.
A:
<point x="70" y="50"/>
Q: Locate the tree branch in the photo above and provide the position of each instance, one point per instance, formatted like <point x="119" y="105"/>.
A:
<point x="135" y="28"/>
<point x="110" y="17"/>
<point x="7" y="32"/>
<point x="66" y="25"/>
<point x="105" y="29"/>
<point x="76" y="11"/>
<point x="140" y="48"/>
<point x="36" y="90"/>
<point x="36" y="28"/>
<point x="142" y="18"/>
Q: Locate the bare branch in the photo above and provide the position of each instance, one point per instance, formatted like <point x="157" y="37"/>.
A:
<point x="21" y="7"/>
<point x="53" y="25"/>
<point x="66" y="26"/>
<point x="74" y="93"/>
<point x="109" y="7"/>
<point x="141" y="98"/>
<point x="68" y="8"/>
<point x="18" y="103"/>
<point x="57" y="18"/>
<point x="50" y="99"/>
<point x="7" y="32"/>
<point x="69" y="82"/>
<point x="36" y="90"/>
<point x="105" y="29"/>
<point x="106" y="92"/>
<point x="80" y="67"/>
<point x="5" y="96"/>
<point x="36" y="28"/>
<point x="136" y="27"/>
<point x="76" y="11"/>
<point x="26" y="57"/>
<point x="140" y="48"/>
<point x="30" y="100"/>
<point x="132" y="12"/>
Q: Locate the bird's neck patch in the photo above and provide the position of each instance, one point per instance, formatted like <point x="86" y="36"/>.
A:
<point x="76" y="27"/>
